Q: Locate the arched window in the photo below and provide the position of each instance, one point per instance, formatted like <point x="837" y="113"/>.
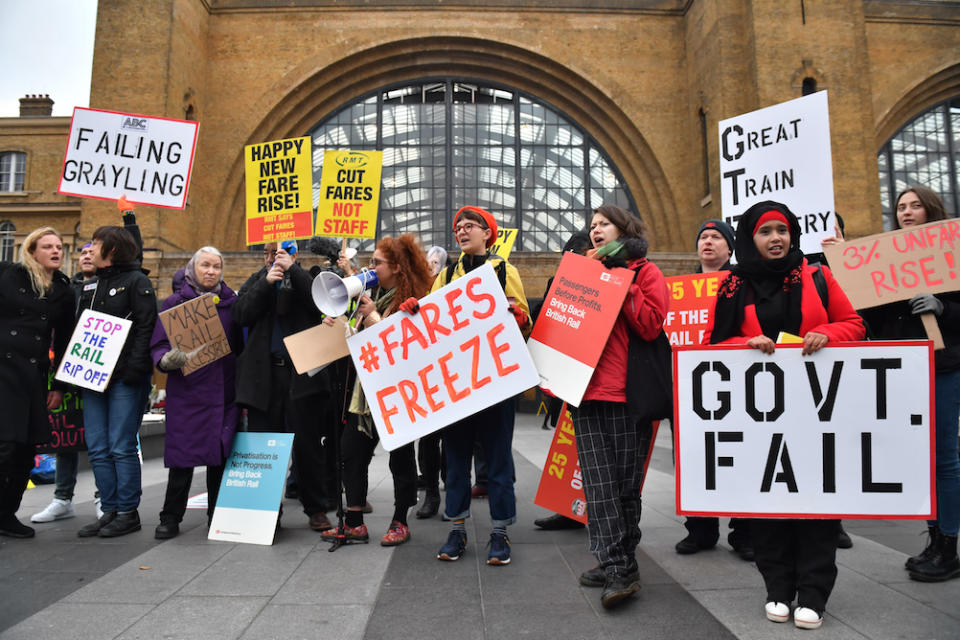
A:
<point x="13" y="170"/>
<point x="7" y="230"/>
<point x="448" y="143"/>
<point x="925" y="151"/>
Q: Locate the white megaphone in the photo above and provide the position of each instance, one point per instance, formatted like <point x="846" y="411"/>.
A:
<point x="332" y="294"/>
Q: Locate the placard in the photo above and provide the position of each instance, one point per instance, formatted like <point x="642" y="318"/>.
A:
<point x="561" y="484"/>
<point x="248" y="503"/>
<point x="111" y="154"/>
<point x="279" y="190"/>
<point x="691" y="303"/>
<point x="318" y="346"/>
<point x="194" y="327"/>
<point x="66" y="423"/>
<point x="504" y="242"/>
<point x="93" y="351"/>
<point x="781" y="153"/>
<point x="460" y="353"/>
<point x="847" y="432"/>
<point x="349" y="194"/>
<point x="575" y="321"/>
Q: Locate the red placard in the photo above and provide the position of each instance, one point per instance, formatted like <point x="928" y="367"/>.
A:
<point x="691" y="303"/>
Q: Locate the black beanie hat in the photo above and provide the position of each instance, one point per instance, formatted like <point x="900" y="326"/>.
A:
<point x="718" y="225"/>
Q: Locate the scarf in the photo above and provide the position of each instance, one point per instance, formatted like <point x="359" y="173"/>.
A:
<point x="190" y="275"/>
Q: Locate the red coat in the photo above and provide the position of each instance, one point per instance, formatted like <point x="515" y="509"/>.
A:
<point x="643" y="312"/>
<point x="839" y="323"/>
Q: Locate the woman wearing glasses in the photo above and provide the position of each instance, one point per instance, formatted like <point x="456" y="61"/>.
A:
<point x="403" y="273"/>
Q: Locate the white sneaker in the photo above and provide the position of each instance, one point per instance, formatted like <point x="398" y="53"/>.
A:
<point x="806" y="618"/>
<point x="56" y="510"/>
<point x="777" y="611"/>
<point x="96" y="503"/>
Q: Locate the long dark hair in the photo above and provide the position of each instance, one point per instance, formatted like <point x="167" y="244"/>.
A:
<point x="628" y="224"/>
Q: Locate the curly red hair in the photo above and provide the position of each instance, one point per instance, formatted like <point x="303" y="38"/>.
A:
<point x="414" y="276"/>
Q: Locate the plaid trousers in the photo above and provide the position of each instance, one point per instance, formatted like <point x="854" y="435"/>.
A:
<point x="613" y="453"/>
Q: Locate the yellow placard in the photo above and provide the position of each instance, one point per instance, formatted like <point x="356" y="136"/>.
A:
<point x="788" y="338"/>
<point x="279" y="188"/>
<point x="504" y="244"/>
<point x="349" y="194"/>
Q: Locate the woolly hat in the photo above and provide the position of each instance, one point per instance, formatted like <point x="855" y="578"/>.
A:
<point x="486" y="216"/>
<point x="718" y="225"/>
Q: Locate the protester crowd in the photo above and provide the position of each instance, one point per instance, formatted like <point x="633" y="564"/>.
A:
<point x="772" y="287"/>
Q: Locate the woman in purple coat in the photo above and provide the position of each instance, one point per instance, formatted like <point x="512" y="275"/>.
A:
<point x="202" y="417"/>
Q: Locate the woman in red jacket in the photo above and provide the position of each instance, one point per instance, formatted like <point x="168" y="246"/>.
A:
<point x="613" y="446"/>
<point x="771" y="289"/>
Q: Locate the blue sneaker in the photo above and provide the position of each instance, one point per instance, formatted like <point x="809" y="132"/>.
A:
<point x="454" y="546"/>
<point x="499" y="549"/>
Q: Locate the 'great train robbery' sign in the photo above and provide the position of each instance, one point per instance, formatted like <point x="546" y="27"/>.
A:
<point x="845" y="433"/>
<point x="462" y="352"/>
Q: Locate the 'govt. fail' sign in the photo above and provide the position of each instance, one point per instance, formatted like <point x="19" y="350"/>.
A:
<point x="279" y="189"/>
<point x="349" y="194"/>
<point x="94" y="348"/>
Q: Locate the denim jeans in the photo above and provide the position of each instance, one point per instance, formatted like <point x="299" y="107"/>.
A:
<point x="66" y="475"/>
<point x="493" y="427"/>
<point x="948" y="462"/>
<point x="111" y="422"/>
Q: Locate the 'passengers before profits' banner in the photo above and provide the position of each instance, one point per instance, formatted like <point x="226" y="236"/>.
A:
<point x="781" y="153"/>
<point x="349" y="194"/>
<point x="146" y="159"/>
<point x="279" y="190"/>
<point x="845" y="433"/>
<point x="461" y="353"/>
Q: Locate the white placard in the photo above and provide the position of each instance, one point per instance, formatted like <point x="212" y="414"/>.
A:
<point x="781" y="153"/>
<point x="94" y="348"/>
<point x="844" y="433"/>
<point x="461" y="353"/>
<point x="146" y="159"/>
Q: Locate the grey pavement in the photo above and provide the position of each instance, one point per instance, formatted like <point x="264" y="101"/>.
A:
<point x="60" y="586"/>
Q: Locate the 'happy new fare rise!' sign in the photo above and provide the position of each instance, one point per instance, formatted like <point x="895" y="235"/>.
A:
<point x="461" y="353"/>
<point x="279" y="190"/>
<point x="844" y="433"/>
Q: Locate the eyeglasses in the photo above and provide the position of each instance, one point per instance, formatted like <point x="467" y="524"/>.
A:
<point x="376" y="262"/>
<point x="466" y="227"/>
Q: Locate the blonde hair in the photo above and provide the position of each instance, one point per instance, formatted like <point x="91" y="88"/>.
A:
<point x="39" y="278"/>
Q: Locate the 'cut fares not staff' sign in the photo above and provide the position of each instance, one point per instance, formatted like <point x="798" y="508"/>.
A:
<point x="781" y="153"/>
<point x="146" y="159"/>
<point x="349" y="194"/>
<point x="279" y="188"/>
<point x="845" y="433"/>
<point x="94" y="349"/>
<point x="461" y="353"/>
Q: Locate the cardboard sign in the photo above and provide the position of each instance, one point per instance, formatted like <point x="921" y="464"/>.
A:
<point x="781" y="153"/>
<point x="248" y="503"/>
<point x="318" y="346"/>
<point x="279" y="190"/>
<point x="504" y="243"/>
<point x="66" y="423"/>
<point x="349" y="194"/>
<point x="561" y="485"/>
<point x="111" y="154"/>
<point x="194" y="328"/>
<point x="462" y="352"/>
<point x="691" y="303"/>
<point x="844" y="433"/>
<point x="93" y="351"/>
<point x="575" y="321"/>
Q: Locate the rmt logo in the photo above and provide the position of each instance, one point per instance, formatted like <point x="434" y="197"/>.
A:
<point x="137" y="124"/>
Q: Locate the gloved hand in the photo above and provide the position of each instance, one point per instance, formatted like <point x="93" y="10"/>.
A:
<point x="925" y="303"/>
<point x="411" y="305"/>
<point x="173" y="359"/>
<point x="519" y="315"/>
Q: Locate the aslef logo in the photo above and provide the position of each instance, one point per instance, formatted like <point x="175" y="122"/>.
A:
<point x="137" y="124"/>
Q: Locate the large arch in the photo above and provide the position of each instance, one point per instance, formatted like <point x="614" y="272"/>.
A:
<point x="317" y="92"/>
<point x="936" y="88"/>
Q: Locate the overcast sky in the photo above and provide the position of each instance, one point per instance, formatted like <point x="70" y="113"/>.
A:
<point x="47" y="48"/>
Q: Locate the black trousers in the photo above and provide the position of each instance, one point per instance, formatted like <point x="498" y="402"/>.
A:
<point x="179" y="480"/>
<point x="706" y="531"/>
<point x="358" y="449"/>
<point x="16" y="461"/>
<point x="430" y="459"/>
<point x="797" y="558"/>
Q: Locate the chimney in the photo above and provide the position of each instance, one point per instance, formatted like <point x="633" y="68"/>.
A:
<point x="36" y="105"/>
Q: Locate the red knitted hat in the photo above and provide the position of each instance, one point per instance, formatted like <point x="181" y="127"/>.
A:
<point x="487" y="218"/>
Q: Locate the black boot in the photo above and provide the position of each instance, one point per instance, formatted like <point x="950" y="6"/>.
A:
<point x="943" y="565"/>
<point x="13" y="528"/>
<point x="431" y="503"/>
<point x="168" y="528"/>
<point x="927" y="553"/>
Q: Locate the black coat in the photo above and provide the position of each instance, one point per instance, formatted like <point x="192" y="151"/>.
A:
<point x="261" y="304"/>
<point x="124" y="291"/>
<point x="27" y="324"/>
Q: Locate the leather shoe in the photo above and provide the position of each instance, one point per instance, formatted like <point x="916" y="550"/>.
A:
<point x="320" y="522"/>
<point x="843" y="539"/>
<point x="166" y="530"/>
<point x="617" y="589"/>
<point x="13" y="528"/>
<point x="557" y="522"/>
<point x="478" y="491"/>
<point x="691" y="545"/>
<point x="123" y="524"/>
<point x="430" y="506"/>
<point x="92" y="529"/>
<point x="597" y="577"/>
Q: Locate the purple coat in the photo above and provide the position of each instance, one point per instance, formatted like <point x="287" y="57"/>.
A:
<point x="202" y="416"/>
